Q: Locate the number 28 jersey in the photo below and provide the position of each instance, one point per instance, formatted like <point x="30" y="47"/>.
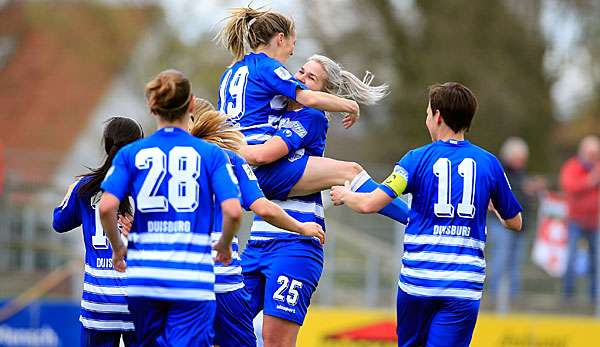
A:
<point x="173" y="178"/>
<point x="451" y="185"/>
<point x="253" y="93"/>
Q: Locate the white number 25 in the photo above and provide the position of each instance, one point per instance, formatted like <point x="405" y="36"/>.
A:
<point x="293" y="295"/>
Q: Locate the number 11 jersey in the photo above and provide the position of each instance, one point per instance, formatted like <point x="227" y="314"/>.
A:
<point x="173" y="178"/>
<point x="451" y="184"/>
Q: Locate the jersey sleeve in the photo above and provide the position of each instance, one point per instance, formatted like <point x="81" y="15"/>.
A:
<point x="67" y="216"/>
<point x="280" y="80"/>
<point x="249" y="188"/>
<point x="222" y="179"/>
<point x="399" y="181"/>
<point x="501" y="194"/>
<point x="301" y="130"/>
<point x="118" y="177"/>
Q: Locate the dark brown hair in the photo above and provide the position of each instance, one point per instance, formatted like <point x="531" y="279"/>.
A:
<point x="118" y="132"/>
<point x="252" y="26"/>
<point x="456" y="103"/>
<point x="169" y="95"/>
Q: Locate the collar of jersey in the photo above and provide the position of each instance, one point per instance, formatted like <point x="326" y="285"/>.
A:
<point x="452" y="142"/>
<point x="170" y="130"/>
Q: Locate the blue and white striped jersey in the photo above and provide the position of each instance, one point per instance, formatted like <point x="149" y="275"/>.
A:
<point x="229" y="278"/>
<point x="305" y="132"/>
<point x="175" y="180"/>
<point x="253" y="93"/>
<point x="451" y="185"/>
<point x="103" y="302"/>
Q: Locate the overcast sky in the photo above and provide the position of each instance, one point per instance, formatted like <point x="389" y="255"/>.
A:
<point x="192" y="18"/>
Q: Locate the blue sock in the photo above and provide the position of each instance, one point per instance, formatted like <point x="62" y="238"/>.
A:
<point x="396" y="210"/>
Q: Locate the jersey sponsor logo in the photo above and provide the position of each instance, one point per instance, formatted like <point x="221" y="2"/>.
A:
<point x="287" y="133"/>
<point x="452" y="230"/>
<point x="282" y="73"/>
<point x="249" y="172"/>
<point x="163" y="226"/>
<point x="295" y="126"/>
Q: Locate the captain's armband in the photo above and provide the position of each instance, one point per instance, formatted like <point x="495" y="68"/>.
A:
<point x="397" y="180"/>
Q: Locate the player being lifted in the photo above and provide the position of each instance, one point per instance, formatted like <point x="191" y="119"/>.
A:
<point x="233" y="320"/>
<point x="176" y="181"/>
<point x="104" y="315"/>
<point x="452" y="183"/>
<point x="255" y="91"/>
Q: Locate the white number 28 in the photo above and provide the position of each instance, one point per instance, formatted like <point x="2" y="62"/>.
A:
<point x="183" y="163"/>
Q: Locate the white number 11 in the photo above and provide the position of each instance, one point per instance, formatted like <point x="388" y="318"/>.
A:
<point x="467" y="169"/>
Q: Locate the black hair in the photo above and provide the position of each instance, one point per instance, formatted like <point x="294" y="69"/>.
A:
<point x="118" y="132"/>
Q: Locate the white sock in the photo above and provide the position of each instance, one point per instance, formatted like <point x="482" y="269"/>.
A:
<point x="359" y="180"/>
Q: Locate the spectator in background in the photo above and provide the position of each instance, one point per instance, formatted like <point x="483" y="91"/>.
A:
<point x="579" y="180"/>
<point x="508" y="246"/>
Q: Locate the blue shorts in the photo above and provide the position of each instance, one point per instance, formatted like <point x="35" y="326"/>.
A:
<point x="277" y="179"/>
<point x="281" y="276"/>
<point x="433" y="322"/>
<point x="172" y="323"/>
<point x="100" y="338"/>
<point x="233" y="320"/>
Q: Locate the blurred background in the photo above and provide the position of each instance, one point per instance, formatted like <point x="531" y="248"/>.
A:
<point x="66" y="66"/>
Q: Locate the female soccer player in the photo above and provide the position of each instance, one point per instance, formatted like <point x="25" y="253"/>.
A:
<point x="300" y="174"/>
<point x="253" y="91"/>
<point x="233" y="320"/>
<point x="176" y="181"/>
<point x="452" y="182"/>
<point x="281" y="269"/>
<point x="104" y="315"/>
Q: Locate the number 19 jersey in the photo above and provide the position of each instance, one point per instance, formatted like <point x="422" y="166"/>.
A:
<point x="173" y="178"/>
<point x="451" y="185"/>
<point x="253" y="93"/>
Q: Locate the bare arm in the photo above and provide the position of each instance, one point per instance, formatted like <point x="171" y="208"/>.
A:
<point x="329" y="102"/>
<point x="275" y="215"/>
<point x="232" y="215"/>
<point x="515" y="223"/>
<point x="109" y="205"/>
<point x="360" y="202"/>
<point x="265" y="153"/>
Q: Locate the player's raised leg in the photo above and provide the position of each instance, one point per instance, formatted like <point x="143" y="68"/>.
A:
<point x="323" y="173"/>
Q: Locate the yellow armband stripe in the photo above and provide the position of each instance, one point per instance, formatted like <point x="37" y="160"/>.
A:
<point x="397" y="180"/>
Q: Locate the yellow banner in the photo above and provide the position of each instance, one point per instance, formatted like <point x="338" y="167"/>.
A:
<point x="377" y="328"/>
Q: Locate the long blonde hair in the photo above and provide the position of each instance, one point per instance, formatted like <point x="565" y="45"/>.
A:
<point x="346" y="85"/>
<point x="211" y="125"/>
<point x="252" y="27"/>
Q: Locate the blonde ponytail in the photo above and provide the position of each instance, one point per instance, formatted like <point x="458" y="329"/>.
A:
<point x="211" y="125"/>
<point x="252" y="27"/>
<point x="346" y="85"/>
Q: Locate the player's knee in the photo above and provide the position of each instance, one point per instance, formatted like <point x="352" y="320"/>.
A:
<point x="352" y="169"/>
<point x="274" y="339"/>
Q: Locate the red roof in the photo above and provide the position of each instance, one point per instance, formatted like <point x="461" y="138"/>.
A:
<point x="64" y="58"/>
